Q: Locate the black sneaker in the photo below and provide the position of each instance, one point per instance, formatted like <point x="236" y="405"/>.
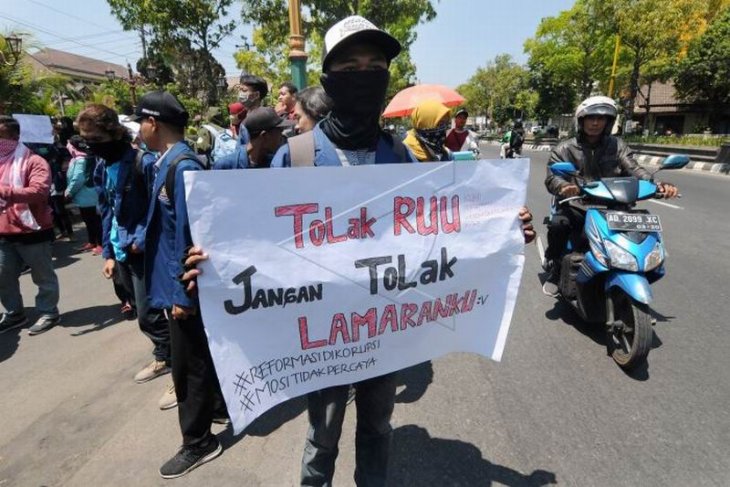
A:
<point x="11" y="321"/>
<point x="190" y="457"/>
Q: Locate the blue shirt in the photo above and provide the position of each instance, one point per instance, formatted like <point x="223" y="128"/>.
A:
<point x="112" y="176"/>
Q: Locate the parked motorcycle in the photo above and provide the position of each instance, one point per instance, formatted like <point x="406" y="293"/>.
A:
<point x="606" y="275"/>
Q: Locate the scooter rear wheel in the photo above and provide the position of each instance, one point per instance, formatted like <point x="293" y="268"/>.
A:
<point x="631" y="339"/>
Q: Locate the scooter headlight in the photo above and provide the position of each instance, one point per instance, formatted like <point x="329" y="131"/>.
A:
<point x="654" y="258"/>
<point x="598" y="253"/>
<point x="620" y="258"/>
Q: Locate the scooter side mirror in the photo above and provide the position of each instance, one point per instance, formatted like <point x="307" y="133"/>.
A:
<point x="563" y="169"/>
<point x="675" y="161"/>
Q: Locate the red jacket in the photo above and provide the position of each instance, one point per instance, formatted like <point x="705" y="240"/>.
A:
<point x="34" y="193"/>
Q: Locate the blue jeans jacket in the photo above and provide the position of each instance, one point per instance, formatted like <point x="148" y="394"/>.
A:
<point x="326" y="155"/>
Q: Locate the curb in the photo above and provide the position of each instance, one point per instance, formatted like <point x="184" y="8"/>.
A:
<point x="713" y="167"/>
<point x="643" y="159"/>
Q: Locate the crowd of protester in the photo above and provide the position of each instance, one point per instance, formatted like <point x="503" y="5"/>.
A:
<point x="129" y="190"/>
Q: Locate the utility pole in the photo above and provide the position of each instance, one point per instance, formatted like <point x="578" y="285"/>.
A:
<point x="297" y="55"/>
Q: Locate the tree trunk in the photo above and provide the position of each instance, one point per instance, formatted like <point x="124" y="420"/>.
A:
<point x="648" y="105"/>
<point x="634" y="85"/>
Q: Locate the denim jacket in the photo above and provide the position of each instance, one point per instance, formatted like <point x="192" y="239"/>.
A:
<point x="326" y="155"/>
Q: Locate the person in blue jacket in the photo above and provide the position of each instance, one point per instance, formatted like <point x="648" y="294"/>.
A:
<point x="162" y="121"/>
<point x="122" y="180"/>
<point x="265" y="130"/>
<point x="80" y="191"/>
<point x="253" y="90"/>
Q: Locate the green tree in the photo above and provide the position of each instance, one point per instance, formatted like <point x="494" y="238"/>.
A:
<point x="22" y="90"/>
<point x="652" y="38"/>
<point x="185" y="32"/>
<point x="501" y="90"/>
<point x="571" y="52"/>
<point x="704" y="74"/>
<point x="270" y="56"/>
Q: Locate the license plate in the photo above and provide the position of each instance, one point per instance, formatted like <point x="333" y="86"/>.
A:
<point x="633" y="222"/>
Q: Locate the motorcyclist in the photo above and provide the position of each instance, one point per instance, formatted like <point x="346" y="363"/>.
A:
<point x="512" y="141"/>
<point x="596" y="154"/>
<point x="460" y="138"/>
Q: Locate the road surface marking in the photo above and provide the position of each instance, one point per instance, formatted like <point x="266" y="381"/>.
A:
<point x="540" y="250"/>
<point x="667" y="204"/>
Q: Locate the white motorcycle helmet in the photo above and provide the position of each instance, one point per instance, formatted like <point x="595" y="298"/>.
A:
<point x="596" y="105"/>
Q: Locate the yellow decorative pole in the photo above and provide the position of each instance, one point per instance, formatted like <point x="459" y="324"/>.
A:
<point x="297" y="55"/>
<point x="613" y="69"/>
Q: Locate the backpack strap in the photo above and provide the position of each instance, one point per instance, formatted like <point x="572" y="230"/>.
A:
<point x="171" y="172"/>
<point x="137" y="172"/>
<point x="301" y="149"/>
<point x="138" y="169"/>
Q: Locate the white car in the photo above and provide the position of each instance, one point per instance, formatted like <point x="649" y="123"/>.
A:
<point x="537" y="129"/>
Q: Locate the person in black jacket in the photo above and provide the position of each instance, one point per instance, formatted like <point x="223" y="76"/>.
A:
<point x="595" y="154"/>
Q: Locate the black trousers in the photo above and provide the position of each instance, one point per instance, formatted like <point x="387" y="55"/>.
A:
<point x="92" y="221"/>
<point x="152" y="321"/>
<point x="60" y="216"/>
<point x="123" y="285"/>
<point x="565" y="225"/>
<point x="199" y="397"/>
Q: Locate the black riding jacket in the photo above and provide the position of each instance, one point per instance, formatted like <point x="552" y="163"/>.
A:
<point x="611" y="157"/>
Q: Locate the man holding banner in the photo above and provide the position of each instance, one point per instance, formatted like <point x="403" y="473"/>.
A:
<point x="355" y="65"/>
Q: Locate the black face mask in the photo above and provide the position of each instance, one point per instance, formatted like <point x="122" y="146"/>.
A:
<point x="358" y="98"/>
<point x="111" y="151"/>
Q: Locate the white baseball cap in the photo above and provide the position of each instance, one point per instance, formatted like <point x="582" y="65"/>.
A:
<point x="357" y="29"/>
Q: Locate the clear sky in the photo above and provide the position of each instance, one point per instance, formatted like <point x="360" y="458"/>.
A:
<point x="465" y="34"/>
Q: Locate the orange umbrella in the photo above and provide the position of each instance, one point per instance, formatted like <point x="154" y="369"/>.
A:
<point x="406" y="100"/>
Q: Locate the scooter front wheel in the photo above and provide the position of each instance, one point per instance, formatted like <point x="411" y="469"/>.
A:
<point x="631" y="333"/>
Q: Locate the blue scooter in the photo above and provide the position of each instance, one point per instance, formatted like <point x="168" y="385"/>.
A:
<point x="608" y="279"/>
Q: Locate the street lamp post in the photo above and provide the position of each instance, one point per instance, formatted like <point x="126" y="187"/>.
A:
<point x="15" y="44"/>
<point x="222" y="86"/>
<point x="152" y="73"/>
<point x="297" y="54"/>
<point x="132" y="86"/>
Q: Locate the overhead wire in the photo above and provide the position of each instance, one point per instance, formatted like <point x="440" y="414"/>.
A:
<point x="45" y="31"/>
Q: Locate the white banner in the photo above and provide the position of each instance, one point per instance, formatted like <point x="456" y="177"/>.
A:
<point x="329" y="275"/>
<point x="35" y="128"/>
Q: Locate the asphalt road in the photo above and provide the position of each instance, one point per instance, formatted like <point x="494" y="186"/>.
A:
<point x="556" y="410"/>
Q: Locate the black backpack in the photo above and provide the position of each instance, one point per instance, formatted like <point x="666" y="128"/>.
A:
<point x="517" y="140"/>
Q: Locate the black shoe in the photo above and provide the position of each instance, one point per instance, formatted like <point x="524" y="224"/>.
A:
<point x="190" y="457"/>
<point x="11" y="321"/>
